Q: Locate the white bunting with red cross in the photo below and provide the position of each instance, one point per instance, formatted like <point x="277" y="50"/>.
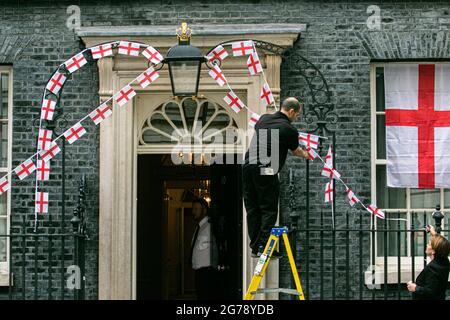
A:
<point x="253" y="64"/>
<point x="329" y="192"/>
<point x="124" y="95"/>
<point x="24" y="169"/>
<point x="152" y="55"/>
<point x="129" y="48"/>
<point x="329" y="157"/>
<point x="4" y="185"/>
<point x="41" y="202"/>
<point x="43" y="170"/>
<point x="217" y="75"/>
<point x="308" y="140"/>
<point x="219" y="53"/>
<point x="101" y="51"/>
<point x="330" y="172"/>
<point x="54" y="149"/>
<point x="266" y="95"/>
<point x="377" y="212"/>
<point x="75" y="63"/>
<point x="253" y="119"/>
<point x="100" y="113"/>
<point x="147" y="77"/>
<point x="56" y="82"/>
<point x="74" y="133"/>
<point x="44" y="139"/>
<point x="242" y="48"/>
<point x="233" y="101"/>
<point x="48" y="109"/>
<point x="312" y="154"/>
<point x="352" y="199"/>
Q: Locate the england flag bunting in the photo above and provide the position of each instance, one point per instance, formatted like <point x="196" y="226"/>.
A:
<point x="242" y="48"/>
<point x="101" y="51"/>
<point x="352" y="199"/>
<point x="124" y="95"/>
<point x="217" y="75"/>
<point x="75" y="63"/>
<point x="56" y="82"/>
<point x="44" y="139"/>
<point x="24" y="169"/>
<point x="330" y="172"/>
<point x="312" y="154"/>
<point x="147" y="77"/>
<point x="253" y="119"/>
<point x="152" y="55"/>
<point x="329" y="157"/>
<point x="329" y="192"/>
<point x="48" y="109"/>
<point x="4" y="185"/>
<point x="266" y="95"/>
<point x="41" y="202"/>
<point x="54" y="149"/>
<point x="377" y="212"/>
<point x="74" y="133"/>
<point x="233" y="101"/>
<point x="43" y="170"/>
<point x="129" y="48"/>
<point x="308" y="140"/>
<point x="253" y="64"/>
<point x="219" y="53"/>
<point x="100" y="113"/>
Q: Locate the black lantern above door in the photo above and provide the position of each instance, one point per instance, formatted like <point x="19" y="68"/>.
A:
<point x="185" y="63"/>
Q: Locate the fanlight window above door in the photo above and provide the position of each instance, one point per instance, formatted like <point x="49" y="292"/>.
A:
<point x="187" y="122"/>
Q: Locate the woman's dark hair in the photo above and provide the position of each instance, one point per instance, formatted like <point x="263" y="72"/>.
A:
<point x="202" y="202"/>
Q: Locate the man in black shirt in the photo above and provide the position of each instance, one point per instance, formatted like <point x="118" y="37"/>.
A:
<point x="274" y="135"/>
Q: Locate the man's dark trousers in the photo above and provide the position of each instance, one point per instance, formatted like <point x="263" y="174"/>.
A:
<point x="261" y="193"/>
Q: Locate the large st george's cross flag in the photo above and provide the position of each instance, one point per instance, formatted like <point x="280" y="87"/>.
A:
<point x="417" y="102"/>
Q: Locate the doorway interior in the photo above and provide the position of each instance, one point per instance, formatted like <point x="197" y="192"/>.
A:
<point x="165" y="226"/>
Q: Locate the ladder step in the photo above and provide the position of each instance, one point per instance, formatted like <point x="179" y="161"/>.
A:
<point x="277" y="290"/>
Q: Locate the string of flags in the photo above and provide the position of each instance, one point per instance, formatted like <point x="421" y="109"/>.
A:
<point x="48" y="148"/>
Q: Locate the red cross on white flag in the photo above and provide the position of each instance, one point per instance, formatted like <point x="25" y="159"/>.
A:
<point x="75" y="63"/>
<point x="352" y="199"/>
<point x="44" y="139"/>
<point x="129" y="48"/>
<point x="266" y="95"/>
<point x="217" y="75"/>
<point x="417" y="107"/>
<point x="54" y="149"/>
<point x="124" y="95"/>
<point x="4" y="185"/>
<point x="253" y="119"/>
<point x="41" y="202"/>
<point x="242" y="48"/>
<point x="312" y="154"/>
<point x="377" y="212"/>
<point x="43" y="170"/>
<point x="147" y="77"/>
<point x="74" y="133"/>
<point x="330" y="172"/>
<point x="100" y="113"/>
<point x="101" y="51"/>
<point x="152" y="55"/>
<point x="219" y="53"/>
<point x="308" y="140"/>
<point x="329" y="157"/>
<point x="24" y="169"/>
<point x="329" y="192"/>
<point x="48" y="109"/>
<point x="233" y="101"/>
<point x="56" y="82"/>
<point x="253" y="64"/>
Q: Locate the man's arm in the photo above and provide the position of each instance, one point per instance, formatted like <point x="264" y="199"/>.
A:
<point x="300" y="152"/>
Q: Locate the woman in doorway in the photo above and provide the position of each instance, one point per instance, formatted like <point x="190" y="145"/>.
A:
<point x="431" y="283"/>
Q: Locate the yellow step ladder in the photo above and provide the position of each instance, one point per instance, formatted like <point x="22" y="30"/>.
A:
<point x="263" y="263"/>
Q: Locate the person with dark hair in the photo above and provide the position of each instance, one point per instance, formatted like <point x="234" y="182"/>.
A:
<point x="274" y="136"/>
<point x="203" y="257"/>
<point x="431" y="283"/>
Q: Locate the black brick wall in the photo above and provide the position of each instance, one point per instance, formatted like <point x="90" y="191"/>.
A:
<point x="35" y="39"/>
